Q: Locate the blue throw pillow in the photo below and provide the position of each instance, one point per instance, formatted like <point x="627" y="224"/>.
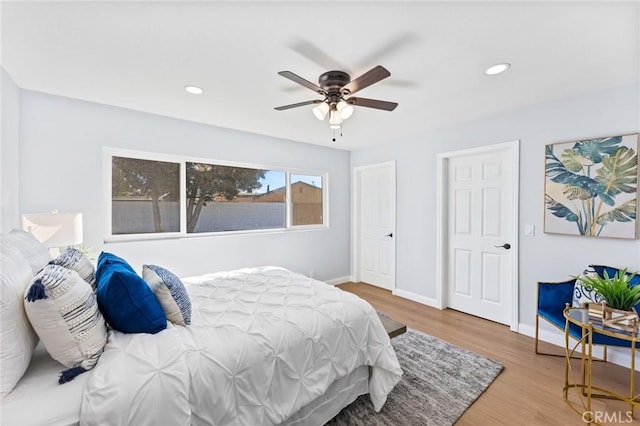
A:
<point x="110" y="258"/>
<point x="125" y="299"/>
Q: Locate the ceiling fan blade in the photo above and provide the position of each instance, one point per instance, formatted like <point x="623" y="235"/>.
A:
<point x="316" y="55"/>
<point x="299" y="104"/>
<point x="374" y="75"/>
<point x="372" y="103"/>
<point x="297" y="79"/>
<point x="388" y="48"/>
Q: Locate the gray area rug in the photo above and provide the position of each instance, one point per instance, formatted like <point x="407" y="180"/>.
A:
<point x="439" y="382"/>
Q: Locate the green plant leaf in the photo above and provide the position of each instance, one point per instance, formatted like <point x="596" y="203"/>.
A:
<point x="619" y="173"/>
<point x="596" y="149"/>
<point x="624" y="213"/>
<point x="574" y="161"/>
<point x="560" y="210"/>
<point x="557" y="172"/>
<point x="616" y="290"/>
<point x="576" y="193"/>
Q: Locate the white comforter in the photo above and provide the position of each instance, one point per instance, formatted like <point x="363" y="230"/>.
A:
<point x="263" y="343"/>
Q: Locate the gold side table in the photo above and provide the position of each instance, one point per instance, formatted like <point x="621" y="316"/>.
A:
<point x="591" y="326"/>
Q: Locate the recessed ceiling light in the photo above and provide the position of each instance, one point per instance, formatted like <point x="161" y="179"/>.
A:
<point x="194" y="90"/>
<point x="497" y="68"/>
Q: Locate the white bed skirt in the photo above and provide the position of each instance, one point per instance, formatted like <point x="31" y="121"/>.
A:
<point x="341" y="393"/>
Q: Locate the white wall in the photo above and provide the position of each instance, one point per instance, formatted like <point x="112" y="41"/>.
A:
<point x="61" y="155"/>
<point x="9" y="123"/>
<point x="544" y="257"/>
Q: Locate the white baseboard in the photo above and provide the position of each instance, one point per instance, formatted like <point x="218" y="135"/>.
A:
<point x="339" y="280"/>
<point x="429" y="301"/>
<point x="619" y="356"/>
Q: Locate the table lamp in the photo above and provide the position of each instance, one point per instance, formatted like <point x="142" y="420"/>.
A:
<point x="54" y="230"/>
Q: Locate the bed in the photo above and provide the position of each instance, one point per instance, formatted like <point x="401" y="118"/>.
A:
<point x="265" y="346"/>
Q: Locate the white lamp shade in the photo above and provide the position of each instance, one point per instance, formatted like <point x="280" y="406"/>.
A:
<point x="321" y="111"/>
<point x="335" y="119"/>
<point x="54" y="229"/>
<point x="344" y="109"/>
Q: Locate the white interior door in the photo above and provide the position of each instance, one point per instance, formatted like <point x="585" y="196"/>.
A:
<point x="480" y="239"/>
<point x="377" y="220"/>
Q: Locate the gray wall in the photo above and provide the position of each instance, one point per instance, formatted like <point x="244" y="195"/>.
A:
<point x="61" y="157"/>
<point x="61" y="166"/>
<point x="543" y="257"/>
<point x="9" y="122"/>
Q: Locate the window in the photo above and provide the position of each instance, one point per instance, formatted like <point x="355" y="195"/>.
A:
<point x="306" y="200"/>
<point x="226" y="198"/>
<point x="145" y="196"/>
<point x="160" y="195"/>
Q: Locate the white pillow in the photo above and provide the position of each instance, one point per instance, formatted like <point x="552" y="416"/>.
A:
<point x="17" y="338"/>
<point x="33" y="250"/>
<point x="63" y="310"/>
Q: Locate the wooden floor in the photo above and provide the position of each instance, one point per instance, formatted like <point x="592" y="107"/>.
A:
<point x="529" y="389"/>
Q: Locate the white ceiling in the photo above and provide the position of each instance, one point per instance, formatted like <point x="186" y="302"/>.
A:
<point x="140" y="55"/>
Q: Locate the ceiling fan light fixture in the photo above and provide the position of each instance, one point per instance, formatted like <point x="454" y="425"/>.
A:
<point x="498" y="68"/>
<point x="321" y="111"/>
<point x="335" y="119"/>
<point x="333" y="86"/>
<point x="344" y="109"/>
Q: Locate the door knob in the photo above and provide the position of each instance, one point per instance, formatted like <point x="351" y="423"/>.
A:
<point x="389" y="235"/>
<point x="505" y="246"/>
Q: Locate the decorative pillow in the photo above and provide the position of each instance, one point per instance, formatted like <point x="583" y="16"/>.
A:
<point x="36" y="253"/>
<point x="76" y="260"/>
<point x="125" y="299"/>
<point x="63" y="310"/>
<point x="170" y="293"/>
<point x="106" y="258"/>
<point x="583" y="293"/>
<point x="17" y="338"/>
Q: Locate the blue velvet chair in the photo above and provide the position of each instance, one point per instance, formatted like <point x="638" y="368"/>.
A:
<point x="552" y="300"/>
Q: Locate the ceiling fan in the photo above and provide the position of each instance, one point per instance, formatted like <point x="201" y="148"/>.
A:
<point x="337" y="88"/>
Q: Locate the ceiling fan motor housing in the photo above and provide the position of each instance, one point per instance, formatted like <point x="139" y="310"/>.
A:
<point x="333" y="82"/>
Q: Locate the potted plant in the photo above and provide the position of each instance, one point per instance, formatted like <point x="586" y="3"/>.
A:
<point x="617" y="290"/>
<point x="619" y="296"/>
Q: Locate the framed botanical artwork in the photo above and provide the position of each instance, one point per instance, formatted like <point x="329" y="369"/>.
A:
<point x="591" y="187"/>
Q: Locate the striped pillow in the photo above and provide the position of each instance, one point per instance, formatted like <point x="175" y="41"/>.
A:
<point x="63" y="310"/>
<point x="170" y="292"/>
<point x="76" y="260"/>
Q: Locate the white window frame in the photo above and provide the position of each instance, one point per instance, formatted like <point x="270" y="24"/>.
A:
<point x="109" y="153"/>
